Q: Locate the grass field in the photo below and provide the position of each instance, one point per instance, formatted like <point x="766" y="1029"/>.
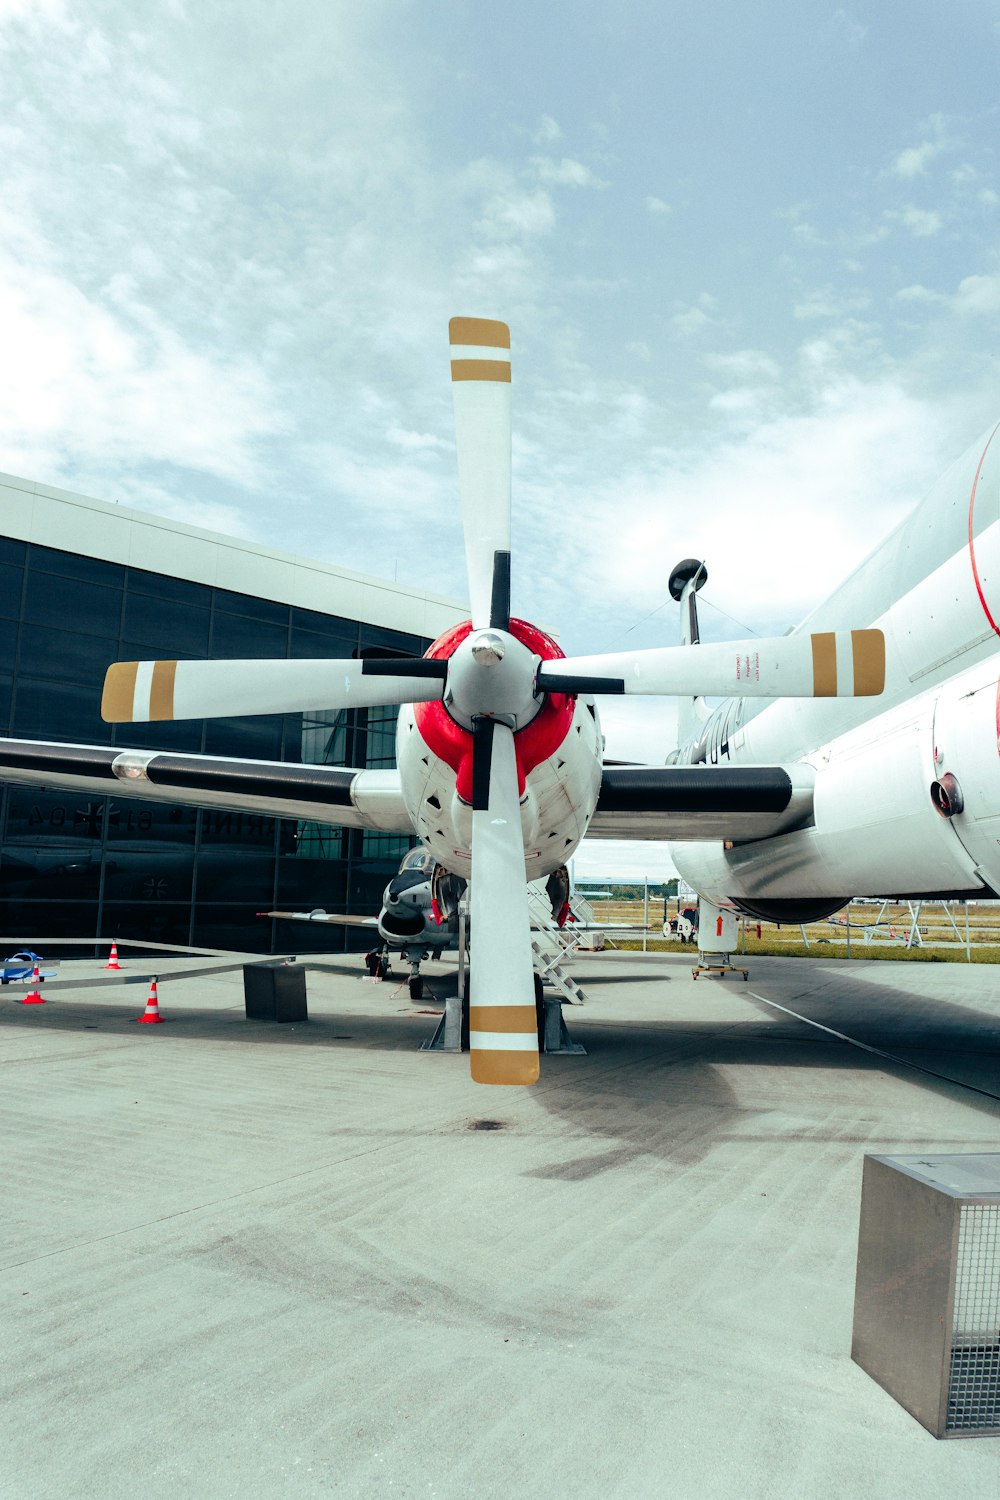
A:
<point x="874" y="933"/>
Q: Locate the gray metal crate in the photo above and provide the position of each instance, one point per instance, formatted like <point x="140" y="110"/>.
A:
<point x="927" y="1299"/>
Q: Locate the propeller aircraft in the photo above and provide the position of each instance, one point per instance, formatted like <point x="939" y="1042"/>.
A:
<point x="780" y="808"/>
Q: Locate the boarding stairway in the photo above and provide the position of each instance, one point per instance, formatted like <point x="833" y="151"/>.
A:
<point x="552" y="946"/>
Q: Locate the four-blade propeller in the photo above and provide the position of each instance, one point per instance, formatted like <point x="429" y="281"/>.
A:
<point x="493" y="686"/>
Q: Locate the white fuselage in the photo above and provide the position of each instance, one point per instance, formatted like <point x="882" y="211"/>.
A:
<point x="933" y="587"/>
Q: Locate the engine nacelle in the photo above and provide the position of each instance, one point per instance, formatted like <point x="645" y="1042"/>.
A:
<point x="792" y="912"/>
<point x="886" y="822"/>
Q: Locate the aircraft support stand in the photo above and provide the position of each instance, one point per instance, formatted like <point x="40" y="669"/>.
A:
<point x="555" y="1036"/>
<point x="716" y="941"/>
<point x="452" y="1031"/>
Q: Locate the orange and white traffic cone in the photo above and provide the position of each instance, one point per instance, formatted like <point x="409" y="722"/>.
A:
<point x="151" y="1015"/>
<point x="112" y="962"/>
<point x="36" y="997"/>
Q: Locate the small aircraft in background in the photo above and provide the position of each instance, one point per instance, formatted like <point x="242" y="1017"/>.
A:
<point x="22" y="966"/>
<point x="418" y="919"/>
<point x="419" y="915"/>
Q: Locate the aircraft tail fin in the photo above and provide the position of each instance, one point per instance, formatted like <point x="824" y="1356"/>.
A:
<point x="685" y="581"/>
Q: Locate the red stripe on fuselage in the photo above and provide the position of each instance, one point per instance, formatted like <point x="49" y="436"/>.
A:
<point x="536" y="742"/>
<point x="972" y="548"/>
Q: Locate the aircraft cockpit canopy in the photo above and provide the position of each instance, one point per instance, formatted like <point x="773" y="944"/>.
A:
<point x="418" y="859"/>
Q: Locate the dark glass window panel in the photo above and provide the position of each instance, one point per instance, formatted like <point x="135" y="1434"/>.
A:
<point x="69" y="604"/>
<point x="72" y="565"/>
<point x="320" y="624"/>
<point x="147" y="921"/>
<point x="58" y="711"/>
<point x="148" y="876"/>
<point x="236" y="875"/>
<point x="232" y="635"/>
<point x="256" y="609"/>
<point x="65" y="655"/>
<point x="153" y="824"/>
<point x="165" y="624"/>
<point x="38" y="817"/>
<point x="34" y="921"/>
<point x="8" y="644"/>
<point x="304" y="644"/>
<point x="236" y="830"/>
<point x="12" y="551"/>
<point x="391" y="846"/>
<point x="6" y="691"/>
<point x="230" y="925"/>
<point x="375" y="636"/>
<point x="159" y="586"/>
<point x="249" y="739"/>
<point x="306" y="883"/>
<point x="47" y="871"/>
<point x="173" y="734"/>
<point x="11" y="580"/>
<point x="366" y="883"/>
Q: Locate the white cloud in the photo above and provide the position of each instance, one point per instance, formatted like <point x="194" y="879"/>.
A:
<point x="743" y="364"/>
<point x="518" y="213"/>
<point x="849" y="27"/>
<point x="694" y="320"/>
<point x="978" y="294"/>
<point x="548" y="131"/>
<point x="922" y="223"/>
<point x="852" y="462"/>
<point x="565" y="173"/>
<point x="913" y="161"/>
<point x="657" y="207"/>
<point x="917" y="293"/>
<point x="616" y="860"/>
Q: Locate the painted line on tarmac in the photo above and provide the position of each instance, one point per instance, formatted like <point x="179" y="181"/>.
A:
<point x="853" y="1041"/>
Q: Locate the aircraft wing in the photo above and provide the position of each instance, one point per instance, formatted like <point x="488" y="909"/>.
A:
<point x="322" y="916"/>
<point x="324" y="794"/>
<point x="686" y="803"/>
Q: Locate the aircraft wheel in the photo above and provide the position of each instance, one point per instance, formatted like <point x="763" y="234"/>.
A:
<point x="416" y="986"/>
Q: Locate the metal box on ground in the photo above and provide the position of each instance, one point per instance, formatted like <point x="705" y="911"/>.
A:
<point x="275" y="992"/>
<point x="927" y="1298"/>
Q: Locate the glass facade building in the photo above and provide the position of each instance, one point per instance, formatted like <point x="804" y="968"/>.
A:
<point x="73" y="865"/>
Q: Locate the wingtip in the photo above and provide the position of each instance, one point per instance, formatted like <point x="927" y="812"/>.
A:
<point x="481" y="332"/>
<point x="119" y="692"/>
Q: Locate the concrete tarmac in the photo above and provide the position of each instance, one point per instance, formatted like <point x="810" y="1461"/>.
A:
<point x="292" y="1260"/>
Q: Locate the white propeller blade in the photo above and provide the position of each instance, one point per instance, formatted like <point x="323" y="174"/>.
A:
<point x="503" y="1029"/>
<point x="480" y="375"/>
<point x="832" y="664"/>
<point x="143" y="691"/>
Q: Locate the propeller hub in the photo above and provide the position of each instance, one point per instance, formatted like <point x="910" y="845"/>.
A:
<point x="488" y="648"/>
<point x="491" y="675"/>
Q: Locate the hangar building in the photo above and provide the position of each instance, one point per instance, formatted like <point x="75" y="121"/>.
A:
<point x="84" y="583"/>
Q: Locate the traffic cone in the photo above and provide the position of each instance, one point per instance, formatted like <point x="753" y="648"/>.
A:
<point x="112" y="962"/>
<point x="36" y="997"/>
<point x="151" y="1015"/>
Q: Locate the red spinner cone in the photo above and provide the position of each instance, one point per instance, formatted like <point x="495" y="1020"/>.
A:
<point x="112" y="962"/>
<point x="36" y="997"/>
<point x="151" y="1015"/>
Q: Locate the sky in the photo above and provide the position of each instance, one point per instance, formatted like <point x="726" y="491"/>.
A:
<point x="749" y="257"/>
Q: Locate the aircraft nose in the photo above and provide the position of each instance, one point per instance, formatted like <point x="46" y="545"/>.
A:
<point x="400" y="884"/>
